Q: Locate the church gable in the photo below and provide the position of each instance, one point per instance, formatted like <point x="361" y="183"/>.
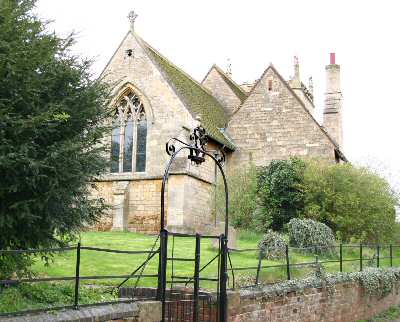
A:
<point x="274" y="124"/>
<point x="131" y="69"/>
<point x="224" y="89"/>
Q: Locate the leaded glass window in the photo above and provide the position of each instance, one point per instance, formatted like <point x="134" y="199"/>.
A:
<point x="129" y="135"/>
<point x="115" y="138"/>
<point x="141" y="146"/>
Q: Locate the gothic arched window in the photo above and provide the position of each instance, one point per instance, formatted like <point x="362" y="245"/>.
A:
<point x="128" y="138"/>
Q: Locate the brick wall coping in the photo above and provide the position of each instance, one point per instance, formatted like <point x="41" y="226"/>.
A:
<point x="285" y="288"/>
<point x="142" y="311"/>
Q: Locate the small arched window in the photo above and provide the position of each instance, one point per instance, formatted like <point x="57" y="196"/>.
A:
<point x="129" y="134"/>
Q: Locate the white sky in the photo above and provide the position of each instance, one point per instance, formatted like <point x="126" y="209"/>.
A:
<point x="195" y="34"/>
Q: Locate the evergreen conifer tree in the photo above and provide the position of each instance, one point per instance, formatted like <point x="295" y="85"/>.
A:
<point x="52" y="124"/>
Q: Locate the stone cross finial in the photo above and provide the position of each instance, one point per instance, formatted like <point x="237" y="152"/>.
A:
<point x="132" y="17"/>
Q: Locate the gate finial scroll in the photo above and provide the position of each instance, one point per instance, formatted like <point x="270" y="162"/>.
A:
<point x="197" y="146"/>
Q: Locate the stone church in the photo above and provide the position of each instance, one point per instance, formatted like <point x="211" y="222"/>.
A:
<point x="154" y="100"/>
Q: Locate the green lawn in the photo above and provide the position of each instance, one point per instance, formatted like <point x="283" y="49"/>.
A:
<point x="102" y="263"/>
<point x="390" y="315"/>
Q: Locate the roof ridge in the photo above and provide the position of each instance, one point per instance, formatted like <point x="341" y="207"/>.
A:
<point x="209" y="71"/>
<point x="179" y="69"/>
<point x="271" y="66"/>
<point x="185" y="87"/>
<point x="303" y="105"/>
<point x="115" y="52"/>
<point x="219" y="70"/>
<point x="252" y="90"/>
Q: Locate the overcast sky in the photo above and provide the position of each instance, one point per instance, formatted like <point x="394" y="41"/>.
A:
<point x="195" y="34"/>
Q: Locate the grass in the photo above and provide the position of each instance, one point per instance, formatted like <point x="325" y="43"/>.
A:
<point x="48" y="295"/>
<point x="102" y="263"/>
<point x="392" y="314"/>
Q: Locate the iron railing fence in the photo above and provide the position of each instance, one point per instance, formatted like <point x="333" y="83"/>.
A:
<point x="77" y="277"/>
<point x="361" y="253"/>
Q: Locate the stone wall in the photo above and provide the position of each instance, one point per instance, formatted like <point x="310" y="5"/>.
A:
<point x="189" y="199"/>
<point x="141" y="311"/>
<point x="137" y="201"/>
<point x="144" y="206"/>
<point x="273" y="124"/>
<point x="198" y="203"/>
<point x="347" y="303"/>
<point x="135" y="205"/>
<point x="221" y="90"/>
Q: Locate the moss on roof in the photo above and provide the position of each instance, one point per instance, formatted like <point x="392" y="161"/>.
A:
<point x="197" y="99"/>
<point x="233" y="86"/>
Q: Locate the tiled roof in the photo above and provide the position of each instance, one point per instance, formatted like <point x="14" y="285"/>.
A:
<point x="197" y="99"/>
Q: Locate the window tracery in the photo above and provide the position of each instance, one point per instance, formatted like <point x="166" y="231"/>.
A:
<point x="129" y="135"/>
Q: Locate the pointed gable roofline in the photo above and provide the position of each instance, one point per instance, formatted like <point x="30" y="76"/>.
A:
<point x="212" y="115"/>
<point x="323" y="130"/>
<point x="196" y="98"/>
<point x="236" y="89"/>
<point x="113" y="55"/>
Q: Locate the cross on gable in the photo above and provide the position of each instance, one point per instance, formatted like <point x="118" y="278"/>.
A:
<point x="132" y="17"/>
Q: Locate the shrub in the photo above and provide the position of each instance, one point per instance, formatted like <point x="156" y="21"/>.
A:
<point x="279" y="193"/>
<point x="244" y="280"/>
<point x="14" y="264"/>
<point x="242" y="185"/>
<point x="354" y="201"/>
<point x="272" y="246"/>
<point x="315" y="236"/>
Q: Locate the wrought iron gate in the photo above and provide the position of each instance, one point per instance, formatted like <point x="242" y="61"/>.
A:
<point x="189" y="304"/>
<point x="193" y="305"/>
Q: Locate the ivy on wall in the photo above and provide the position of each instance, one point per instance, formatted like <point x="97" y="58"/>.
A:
<point x="374" y="281"/>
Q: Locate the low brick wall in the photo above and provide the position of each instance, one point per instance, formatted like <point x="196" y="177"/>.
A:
<point x="348" y="302"/>
<point x="344" y="303"/>
<point x="149" y="311"/>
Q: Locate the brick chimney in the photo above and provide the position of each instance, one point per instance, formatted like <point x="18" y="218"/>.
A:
<point x="333" y="101"/>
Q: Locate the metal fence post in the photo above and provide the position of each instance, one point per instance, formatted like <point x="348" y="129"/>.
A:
<point x="196" y="281"/>
<point x="391" y="255"/>
<point x="287" y="262"/>
<point x="341" y="257"/>
<point x="361" y="258"/>
<point x="377" y="255"/>
<point x="223" y="314"/>
<point x="162" y="270"/>
<point x="258" y="267"/>
<point x="77" y="270"/>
